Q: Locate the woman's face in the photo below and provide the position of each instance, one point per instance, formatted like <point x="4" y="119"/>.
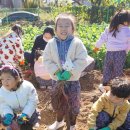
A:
<point x="64" y="28"/>
<point x="47" y="36"/>
<point x="8" y="81"/>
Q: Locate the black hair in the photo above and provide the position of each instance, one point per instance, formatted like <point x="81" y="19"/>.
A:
<point x="38" y="53"/>
<point x="18" y="29"/>
<point x="119" y="18"/>
<point x="14" y="71"/>
<point x="120" y="87"/>
<point x="50" y="30"/>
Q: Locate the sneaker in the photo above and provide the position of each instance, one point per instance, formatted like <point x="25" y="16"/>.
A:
<point x="72" y="127"/>
<point x="36" y="126"/>
<point x="49" y="87"/>
<point x="43" y="87"/>
<point x="101" y="88"/>
<point x="56" y="125"/>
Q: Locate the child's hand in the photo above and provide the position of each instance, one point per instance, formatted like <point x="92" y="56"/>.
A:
<point x="8" y="118"/>
<point x="95" y="49"/>
<point x="95" y="128"/>
<point x="66" y="75"/>
<point x="22" y="62"/>
<point x="22" y="119"/>
<point x="105" y="128"/>
<point x="58" y="74"/>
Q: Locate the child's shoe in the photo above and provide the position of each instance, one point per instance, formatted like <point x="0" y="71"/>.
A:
<point x="49" y="87"/>
<point x="56" y="125"/>
<point x="101" y="88"/>
<point x="72" y="127"/>
<point x="43" y="88"/>
<point x="36" y="126"/>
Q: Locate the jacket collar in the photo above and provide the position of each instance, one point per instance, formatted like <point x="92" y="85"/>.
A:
<point x="69" y="38"/>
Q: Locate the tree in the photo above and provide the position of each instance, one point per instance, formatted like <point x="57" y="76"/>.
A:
<point x="115" y="3"/>
<point x="56" y="3"/>
<point x="32" y="3"/>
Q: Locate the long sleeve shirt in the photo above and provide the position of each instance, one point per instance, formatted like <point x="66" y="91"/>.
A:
<point x="23" y="100"/>
<point x="40" y="70"/>
<point x="77" y="53"/>
<point x="104" y="104"/>
<point x="11" y="49"/>
<point x="118" y="43"/>
<point x="39" y="43"/>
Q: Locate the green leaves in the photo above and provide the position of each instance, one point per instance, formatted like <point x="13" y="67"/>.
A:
<point x="29" y="36"/>
<point x="89" y="34"/>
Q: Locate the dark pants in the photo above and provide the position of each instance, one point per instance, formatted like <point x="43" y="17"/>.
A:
<point x="104" y="119"/>
<point x="72" y="91"/>
<point x="29" y="58"/>
<point x="68" y="101"/>
<point x="113" y="65"/>
<point x="32" y="121"/>
<point x="29" y="124"/>
<point x="43" y="82"/>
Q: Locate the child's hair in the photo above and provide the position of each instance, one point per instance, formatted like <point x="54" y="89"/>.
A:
<point x="66" y="16"/>
<point x="119" y="18"/>
<point x="38" y="53"/>
<point x="18" y="29"/>
<point x="15" y="72"/>
<point x="120" y="87"/>
<point x="50" y="30"/>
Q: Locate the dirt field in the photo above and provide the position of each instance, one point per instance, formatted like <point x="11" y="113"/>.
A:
<point x="89" y="94"/>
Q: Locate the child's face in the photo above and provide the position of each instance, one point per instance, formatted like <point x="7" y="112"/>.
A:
<point x="8" y="81"/>
<point x="126" y="23"/>
<point x="116" y="99"/>
<point x="47" y="36"/>
<point x="64" y="28"/>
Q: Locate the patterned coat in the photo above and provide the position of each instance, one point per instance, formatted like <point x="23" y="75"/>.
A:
<point x="11" y="49"/>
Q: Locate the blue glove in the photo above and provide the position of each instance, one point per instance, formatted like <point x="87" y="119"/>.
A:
<point x="66" y="75"/>
<point x="22" y="119"/>
<point x="105" y="128"/>
<point x="8" y="119"/>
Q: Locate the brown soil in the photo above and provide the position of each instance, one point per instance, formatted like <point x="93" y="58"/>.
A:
<point x="89" y="94"/>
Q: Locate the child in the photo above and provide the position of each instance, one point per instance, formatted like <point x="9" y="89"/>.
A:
<point x="18" y="98"/>
<point x="65" y="57"/>
<point x="117" y="38"/>
<point x="42" y="76"/>
<point x="40" y="43"/>
<point x="11" y="49"/>
<point x="111" y="110"/>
